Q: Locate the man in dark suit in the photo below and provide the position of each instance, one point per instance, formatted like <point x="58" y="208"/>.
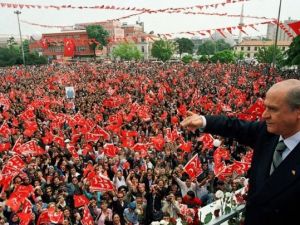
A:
<point x="274" y="184"/>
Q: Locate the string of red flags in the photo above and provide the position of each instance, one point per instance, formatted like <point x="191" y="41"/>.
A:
<point x="285" y="29"/>
<point x="219" y="30"/>
<point x="113" y="7"/>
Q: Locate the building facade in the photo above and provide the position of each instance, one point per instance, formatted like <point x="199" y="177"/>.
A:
<point x="282" y="36"/>
<point x="251" y="47"/>
<point x="118" y="33"/>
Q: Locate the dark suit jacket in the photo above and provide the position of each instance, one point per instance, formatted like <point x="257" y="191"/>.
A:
<point x="272" y="199"/>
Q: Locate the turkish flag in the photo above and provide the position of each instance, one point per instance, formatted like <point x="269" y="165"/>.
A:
<point x="5" y="130"/>
<point x="240" y="167"/>
<point x="98" y="183"/>
<point x="4" y="147"/>
<point x="80" y="200"/>
<point x="257" y="108"/>
<point x="207" y="141"/>
<point x="28" y="114"/>
<point x="101" y="132"/>
<point x="25" y="218"/>
<point x="43" y="218"/>
<point x="158" y="142"/>
<point x="87" y="217"/>
<point x="295" y="27"/>
<point x="69" y="47"/>
<point x="193" y="168"/>
<point x="44" y="43"/>
<point x="55" y="216"/>
<point x="73" y="151"/>
<point x="29" y="147"/>
<point x="89" y="137"/>
<point x="110" y="150"/>
<point x="14" y="164"/>
<point x="248" y="157"/>
<point x="186" y="146"/>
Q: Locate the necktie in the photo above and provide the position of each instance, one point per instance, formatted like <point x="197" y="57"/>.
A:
<point x="277" y="157"/>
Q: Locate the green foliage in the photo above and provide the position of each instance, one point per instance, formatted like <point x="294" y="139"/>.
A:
<point x="9" y="56"/>
<point x="221" y="45"/>
<point x="210" y="47"/>
<point x="127" y="51"/>
<point x="185" y="45"/>
<point x="187" y="59"/>
<point x="240" y="55"/>
<point x="293" y="53"/>
<point x="25" y="47"/>
<point x="98" y="33"/>
<point x="208" y="218"/>
<point x="265" y="55"/>
<point x="35" y="59"/>
<point x="207" y="48"/>
<point x="11" y="42"/>
<point x="13" y="56"/>
<point x="226" y="56"/>
<point x="203" y="58"/>
<point x="163" y="49"/>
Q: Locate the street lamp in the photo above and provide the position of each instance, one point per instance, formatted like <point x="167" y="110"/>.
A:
<point x="22" y="48"/>
<point x="276" y="35"/>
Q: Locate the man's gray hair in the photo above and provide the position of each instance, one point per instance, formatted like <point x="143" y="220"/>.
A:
<point x="293" y="98"/>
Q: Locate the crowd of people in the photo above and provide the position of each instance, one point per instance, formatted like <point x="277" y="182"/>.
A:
<point x="123" y="125"/>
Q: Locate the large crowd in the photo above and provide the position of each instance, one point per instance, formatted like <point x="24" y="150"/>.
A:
<point x="123" y="125"/>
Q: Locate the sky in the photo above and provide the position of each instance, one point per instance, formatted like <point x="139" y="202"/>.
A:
<point x="161" y="23"/>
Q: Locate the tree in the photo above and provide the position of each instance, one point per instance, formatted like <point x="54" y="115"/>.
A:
<point x="127" y="51"/>
<point x="207" y="48"/>
<point x="265" y="55"/>
<point x="293" y="53"/>
<point x="163" y="49"/>
<point x="226" y="56"/>
<point x="11" y="42"/>
<point x="9" y="56"/>
<point x="99" y="35"/>
<point x="185" y="45"/>
<point x="187" y="59"/>
<point x="221" y="45"/>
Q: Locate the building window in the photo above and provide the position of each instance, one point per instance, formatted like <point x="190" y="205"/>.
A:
<point x="283" y="48"/>
<point x="248" y="55"/>
<point x="242" y="48"/>
<point x="255" y="48"/>
<point x="249" y="48"/>
<point x="80" y="48"/>
<point x="143" y="48"/>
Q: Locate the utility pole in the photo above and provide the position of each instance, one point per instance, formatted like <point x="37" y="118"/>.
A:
<point x="241" y="24"/>
<point x="22" y="48"/>
<point x="276" y="36"/>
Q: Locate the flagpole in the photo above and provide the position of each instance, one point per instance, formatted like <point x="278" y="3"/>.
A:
<point x="22" y="48"/>
<point x="276" y="35"/>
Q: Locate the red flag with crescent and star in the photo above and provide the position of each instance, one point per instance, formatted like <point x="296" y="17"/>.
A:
<point x="69" y="47"/>
<point x="193" y="168"/>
